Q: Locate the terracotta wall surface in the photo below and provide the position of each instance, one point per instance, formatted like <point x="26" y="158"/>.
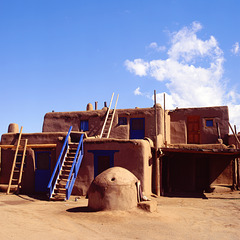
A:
<point x="134" y="155"/>
<point x="61" y="121"/>
<point x="179" y="119"/>
<point x="221" y="170"/>
<point x="33" y="138"/>
<point x="232" y="140"/>
<point x="7" y="156"/>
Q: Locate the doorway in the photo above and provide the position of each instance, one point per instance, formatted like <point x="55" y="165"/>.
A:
<point x="193" y="130"/>
<point x="103" y="159"/>
<point x="137" y="128"/>
<point x="43" y="170"/>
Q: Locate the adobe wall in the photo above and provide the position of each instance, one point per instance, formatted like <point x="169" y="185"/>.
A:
<point x="232" y="140"/>
<point x="221" y="171"/>
<point x="7" y="156"/>
<point x="178" y="119"/>
<point x="33" y="138"/>
<point x="61" y="121"/>
<point x="134" y="155"/>
<point x="28" y="175"/>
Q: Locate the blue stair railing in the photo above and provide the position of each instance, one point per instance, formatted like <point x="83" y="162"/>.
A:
<point x="58" y="167"/>
<point x="75" y="167"/>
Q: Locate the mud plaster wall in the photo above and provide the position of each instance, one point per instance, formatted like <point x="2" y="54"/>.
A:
<point x="33" y="138"/>
<point x="134" y="155"/>
<point x="28" y="174"/>
<point x="221" y="170"/>
<point x="61" y="121"/>
<point x="7" y="156"/>
<point x="179" y="117"/>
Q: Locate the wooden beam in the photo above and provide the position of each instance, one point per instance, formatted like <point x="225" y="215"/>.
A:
<point x="49" y="145"/>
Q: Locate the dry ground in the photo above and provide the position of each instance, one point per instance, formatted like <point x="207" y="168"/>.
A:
<point x="24" y="217"/>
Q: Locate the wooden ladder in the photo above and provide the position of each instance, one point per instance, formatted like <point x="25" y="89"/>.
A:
<point x="17" y="166"/>
<point x="107" y="126"/>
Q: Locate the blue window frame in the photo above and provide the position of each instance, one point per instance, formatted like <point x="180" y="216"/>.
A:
<point x="103" y="159"/>
<point x="209" y="122"/>
<point x="84" y="125"/>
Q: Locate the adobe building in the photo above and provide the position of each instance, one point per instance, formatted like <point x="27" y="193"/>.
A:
<point x="184" y="150"/>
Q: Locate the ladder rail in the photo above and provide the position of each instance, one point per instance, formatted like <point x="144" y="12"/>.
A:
<point x="106" y="116"/>
<point x="22" y="162"/>
<point x="110" y="127"/>
<point x="58" y="167"/>
<point x="14" y="161"/>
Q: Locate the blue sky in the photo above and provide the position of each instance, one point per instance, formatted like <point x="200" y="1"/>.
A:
<point x="60" y="55"/>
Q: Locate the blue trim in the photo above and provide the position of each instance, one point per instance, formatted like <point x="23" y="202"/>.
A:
<point x="58" y="165"/>
<point x="98" y="153"/>
<point x="75" y="168"/>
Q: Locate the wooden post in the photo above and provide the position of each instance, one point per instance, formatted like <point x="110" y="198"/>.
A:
<point x="234" y="133"/>
<point x="156" y="161"/>
<point x="164" y="119"/>
<point x="218" y="131"/>
<point x="237" y="162"/>
<point x="96" y="105"/>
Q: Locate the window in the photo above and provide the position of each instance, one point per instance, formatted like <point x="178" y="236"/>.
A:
<point x="122" y="121"/>
<point x="209" y="122"/>
<point x="84" y="125"/>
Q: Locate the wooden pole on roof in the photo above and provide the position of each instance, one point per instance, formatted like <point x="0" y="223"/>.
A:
<point x="234" y="184"/>
<point x="164" y="119"/>
<point x="234" y="133"/>
<point x="156" y="162"/>
<point x="237" y="162"/>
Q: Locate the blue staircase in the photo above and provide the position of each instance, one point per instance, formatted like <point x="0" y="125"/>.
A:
<point x="65" y="172"/>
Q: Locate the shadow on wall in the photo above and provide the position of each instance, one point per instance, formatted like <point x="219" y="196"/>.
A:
<point x="189" y="175"/>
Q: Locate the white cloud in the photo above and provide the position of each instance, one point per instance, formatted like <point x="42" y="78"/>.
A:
<point x="138" y="66"/>
<point x="137" y="91"/>
<point x="157" y="48"/>
<point x="192" y="72"/>
<point x="235" y="49"/>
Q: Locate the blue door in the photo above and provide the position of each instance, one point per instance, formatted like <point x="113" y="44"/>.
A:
<point x="137" y="128"/>
<point x="43" y="170"/>
<point x="103" y="159"/>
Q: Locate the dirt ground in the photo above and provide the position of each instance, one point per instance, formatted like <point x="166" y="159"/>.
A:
<point x="216" y="217"/>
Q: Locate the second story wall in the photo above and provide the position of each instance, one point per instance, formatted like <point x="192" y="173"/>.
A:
<point x="199" y="125"/>
<point x="135" y="123"/>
